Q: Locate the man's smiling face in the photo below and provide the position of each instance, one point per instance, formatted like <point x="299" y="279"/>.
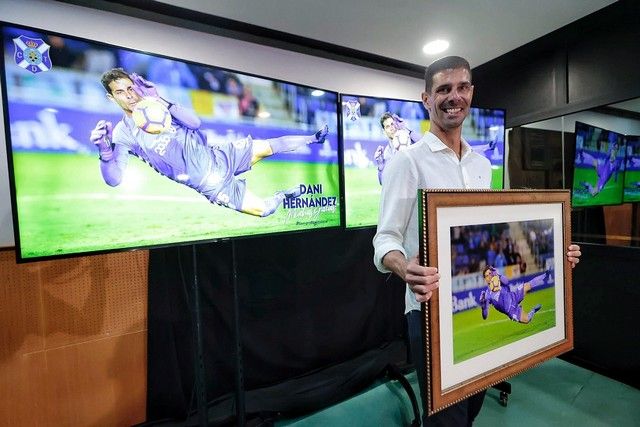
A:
<point x="449" y="101"/>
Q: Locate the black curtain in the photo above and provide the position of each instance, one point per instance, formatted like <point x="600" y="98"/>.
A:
<point x="308" y="301"/>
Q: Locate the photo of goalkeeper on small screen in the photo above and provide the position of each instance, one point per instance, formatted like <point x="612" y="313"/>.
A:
<point x="502" y="284"/>
<point x="374" y="129"/>
<point x="598" y="177"/>
<point x="632" y="170"/>
<point x="116" y="149"/>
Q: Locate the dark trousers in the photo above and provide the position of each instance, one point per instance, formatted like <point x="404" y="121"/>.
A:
<point x="461" y="414"/>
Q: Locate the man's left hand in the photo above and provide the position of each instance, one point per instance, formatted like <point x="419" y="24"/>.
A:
<point x="573" y="255"/>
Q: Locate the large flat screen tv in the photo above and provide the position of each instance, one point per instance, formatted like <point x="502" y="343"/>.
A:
<point x="374" y="129"/>
<point x="112" y="149"/>
<point x="598" y="174"/>
<point x="632" y="170"/>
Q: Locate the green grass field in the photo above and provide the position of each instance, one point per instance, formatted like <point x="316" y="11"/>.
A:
<point x="65" y="207"/>
<point x="362" y="195"/>
<point x="473" y="336"/>
<point x="610" y="194"/>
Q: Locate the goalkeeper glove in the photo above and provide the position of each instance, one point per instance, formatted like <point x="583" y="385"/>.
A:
<point x="143" y="87"/>
<point x="101" y="138"/>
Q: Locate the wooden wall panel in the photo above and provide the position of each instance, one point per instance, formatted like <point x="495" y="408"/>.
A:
<point x="21" y="315"/>
<point x="73" y="340"/>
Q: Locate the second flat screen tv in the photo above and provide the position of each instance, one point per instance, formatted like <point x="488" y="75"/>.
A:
<point x="632" y="169"/>
<point x="375" y="128"/>
<point x="161" y="152"/>
<point x="598" y="175"/>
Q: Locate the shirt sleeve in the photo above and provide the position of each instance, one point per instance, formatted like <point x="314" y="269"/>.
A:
<point x="398" y="199"/>
<point x="113" y="169"/>
<point x="185" y="116"/>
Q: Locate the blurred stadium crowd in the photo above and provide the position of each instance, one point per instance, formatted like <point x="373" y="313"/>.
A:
<point x="501" y="245"/>
<point x="256" y="97"/>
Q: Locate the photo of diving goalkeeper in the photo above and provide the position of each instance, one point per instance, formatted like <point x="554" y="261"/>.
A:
<point x="502" y="284"/>
<point x="598" y="177"/>
<point x="507" y="298"/>
<point x="117" y="149"/>
<point x="181" y="153"/>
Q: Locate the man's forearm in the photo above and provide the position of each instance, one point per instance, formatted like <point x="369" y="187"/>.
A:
<point x="396" y="262"/>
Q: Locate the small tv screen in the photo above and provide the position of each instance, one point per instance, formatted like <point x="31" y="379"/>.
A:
<point x="632" y="170"/>
<point x="598" y="175"/>
<point x="111" y="149"/>
<point x="374" y="129"/>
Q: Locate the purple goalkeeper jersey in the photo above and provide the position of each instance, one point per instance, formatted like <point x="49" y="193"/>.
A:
<point x="507" y="300"/>
<point x="181" y="153"/>
<point x="178" y="153"/>
<point x="604" y="170"/>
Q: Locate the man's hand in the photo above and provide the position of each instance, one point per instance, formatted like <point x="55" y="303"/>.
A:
<point x="143" y="87"/>
<point x="573" y="254"/>
<point x="101" y="137"/>
<point x="379" y="157"/>
<point x="421" y="280"/>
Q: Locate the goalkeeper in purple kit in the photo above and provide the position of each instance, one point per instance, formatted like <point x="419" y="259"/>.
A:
<point x="181" y="152"/>
<point x="507" y="298"/>
<point x="605" y="166"/>
<point x="400" y="137"/>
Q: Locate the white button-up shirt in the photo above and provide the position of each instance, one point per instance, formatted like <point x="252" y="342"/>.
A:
<point x="429" y="163"/>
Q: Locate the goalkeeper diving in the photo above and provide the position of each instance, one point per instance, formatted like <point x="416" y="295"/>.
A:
<point x="181" y="152"/>
<point x="506" y="298"/>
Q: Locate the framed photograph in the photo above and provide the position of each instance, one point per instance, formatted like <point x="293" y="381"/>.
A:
<point x="504" y="302"/>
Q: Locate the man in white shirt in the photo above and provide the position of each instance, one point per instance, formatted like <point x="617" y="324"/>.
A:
<point x="441" y="159"/>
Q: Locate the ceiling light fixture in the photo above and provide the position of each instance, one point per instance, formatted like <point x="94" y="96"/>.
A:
<point x="317" y="92"/>
<point x="436" y="46"/>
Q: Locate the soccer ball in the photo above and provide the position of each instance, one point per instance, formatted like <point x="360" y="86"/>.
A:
<point x="151" y="116"/>
<point x="401" y="140"/>
<point x="494" y="283"/>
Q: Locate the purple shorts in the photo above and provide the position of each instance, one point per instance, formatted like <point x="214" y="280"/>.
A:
<point x="221" y="185"/>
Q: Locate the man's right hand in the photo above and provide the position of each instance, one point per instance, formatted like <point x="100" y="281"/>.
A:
<point x="421" y="280"/>
<point x="101" y="137"/>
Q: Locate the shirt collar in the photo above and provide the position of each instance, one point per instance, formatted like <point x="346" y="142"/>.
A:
<point x="435" y="144"/>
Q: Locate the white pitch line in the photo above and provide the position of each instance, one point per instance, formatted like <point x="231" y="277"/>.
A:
<point x="104" y="196"/>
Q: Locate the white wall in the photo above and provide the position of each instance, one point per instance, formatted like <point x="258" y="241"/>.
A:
<point x="197" y="47"/>
<point x="621" y="125"/>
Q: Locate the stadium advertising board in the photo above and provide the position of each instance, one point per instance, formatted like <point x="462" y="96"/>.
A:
<point x="504" y="302"/>
<point x="374" y="129"/>
<point x="112" y="149"/>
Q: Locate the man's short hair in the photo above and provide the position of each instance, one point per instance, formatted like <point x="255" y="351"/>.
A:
<point x="112" y="75"/>
<point x="446" y="63"/>
<point x="385" y="116"/>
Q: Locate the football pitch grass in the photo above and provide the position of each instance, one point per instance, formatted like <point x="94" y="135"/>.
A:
<point x="362" y="195"/>
<point x="65" y="206"/>
<point x="610" y="194"/>
<point x="473" y="336"/>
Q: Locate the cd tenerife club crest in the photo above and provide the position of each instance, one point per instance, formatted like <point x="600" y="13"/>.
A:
<point x="32" y="54"/>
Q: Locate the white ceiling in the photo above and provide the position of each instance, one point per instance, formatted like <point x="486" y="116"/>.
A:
<point x="479" y="30"/>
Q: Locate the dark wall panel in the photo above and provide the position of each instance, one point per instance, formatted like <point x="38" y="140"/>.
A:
<point x="589" y="63"/>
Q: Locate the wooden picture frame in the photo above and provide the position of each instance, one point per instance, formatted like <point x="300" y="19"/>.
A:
<point x="461" y="232"/>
